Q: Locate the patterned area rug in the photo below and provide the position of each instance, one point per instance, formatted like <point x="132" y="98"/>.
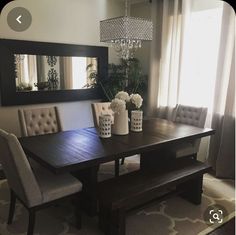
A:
<point x="170" y="217"/>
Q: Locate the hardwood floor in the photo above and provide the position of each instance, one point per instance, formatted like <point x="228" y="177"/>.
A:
<point x="226" y="229"/>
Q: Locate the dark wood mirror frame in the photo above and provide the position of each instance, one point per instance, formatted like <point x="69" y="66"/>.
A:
<point x="9" y="95"/>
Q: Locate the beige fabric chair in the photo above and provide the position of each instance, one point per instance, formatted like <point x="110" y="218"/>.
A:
<point x="34" y="189"/>
<point x="39" y="121"/>
<point x="194" y="116"/>
<point x="99" y="109"/>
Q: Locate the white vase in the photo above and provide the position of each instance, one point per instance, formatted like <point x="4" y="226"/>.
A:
<point x="121" y="123"/>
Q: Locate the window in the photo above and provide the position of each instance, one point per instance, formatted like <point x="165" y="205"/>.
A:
<point x="200" y="55"/>
<point x="79" y="72"/>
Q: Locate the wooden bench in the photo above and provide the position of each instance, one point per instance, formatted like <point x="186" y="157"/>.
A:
<point x="118" y="195"/>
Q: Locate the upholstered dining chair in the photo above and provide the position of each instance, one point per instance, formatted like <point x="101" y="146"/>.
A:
<point x="39" y="121"/>
<point x="194" y="116"/>
<point x="97" y="110"/>
<point x="34" y="189"/>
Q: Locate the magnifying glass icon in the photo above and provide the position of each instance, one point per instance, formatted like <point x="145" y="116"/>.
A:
<point x="216" y="216"/>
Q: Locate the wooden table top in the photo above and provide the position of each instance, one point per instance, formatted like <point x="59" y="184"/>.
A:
<point x="78" y="149"/>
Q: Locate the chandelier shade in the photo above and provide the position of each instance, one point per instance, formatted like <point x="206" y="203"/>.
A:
<point x="126" y="33"/>
<point x="125" y="27"/>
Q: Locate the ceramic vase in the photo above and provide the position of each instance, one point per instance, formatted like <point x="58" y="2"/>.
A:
<point x="121" y="123"/>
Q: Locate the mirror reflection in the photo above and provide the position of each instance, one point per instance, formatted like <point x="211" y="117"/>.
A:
<point x="38" y="72"/>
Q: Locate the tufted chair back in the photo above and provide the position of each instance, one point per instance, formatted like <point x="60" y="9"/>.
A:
<point x="99" y="109"/>
<point x="39" y="121"/>
<point x="18" y="171"/>
<point x="194" y="116"/>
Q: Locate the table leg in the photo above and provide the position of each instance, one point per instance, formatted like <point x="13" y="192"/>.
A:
<point x="117" y="167"/>
<point x="89" y="178"/>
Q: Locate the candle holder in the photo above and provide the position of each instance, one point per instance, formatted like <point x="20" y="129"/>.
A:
<point x="136" y="120"/>
<point x="105" y="126"/>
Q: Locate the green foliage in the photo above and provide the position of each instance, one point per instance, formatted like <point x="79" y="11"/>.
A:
<point x="126" y="76"/>
<point x="92" y="77"/>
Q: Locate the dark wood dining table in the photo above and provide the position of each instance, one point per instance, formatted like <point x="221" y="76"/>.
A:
<point x="82" y="151"/>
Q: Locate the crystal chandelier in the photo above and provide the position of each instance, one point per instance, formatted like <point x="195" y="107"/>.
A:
<point x="126" y="33"/>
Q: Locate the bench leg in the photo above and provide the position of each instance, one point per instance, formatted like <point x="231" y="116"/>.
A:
<point x="111" y="222"/>
<point x="193" y="190"/>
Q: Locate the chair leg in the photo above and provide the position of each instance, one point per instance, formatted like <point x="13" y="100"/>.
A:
<point x="122" y="161"/>
<point x="2" y="175"/>
<point x="77" y="211"/>
<point x="31" y="222"/>
<point x="12" y="207"/>
<point x="117" y="167"/>
<point x="194" y="156"/>
<point x="78" y="218"/>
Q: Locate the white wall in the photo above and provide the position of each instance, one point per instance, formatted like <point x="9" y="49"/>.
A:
<point x="143" y="10"/>
<point x="63" y="21"/>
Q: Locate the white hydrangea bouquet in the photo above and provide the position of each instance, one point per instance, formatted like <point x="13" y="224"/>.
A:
<point x="123" y="101"/>
<point x="120" y="105"/>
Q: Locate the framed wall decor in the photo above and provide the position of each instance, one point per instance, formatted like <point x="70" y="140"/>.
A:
<point x="40" y="72"/>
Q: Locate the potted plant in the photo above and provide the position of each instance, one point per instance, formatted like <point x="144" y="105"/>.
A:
<point x="126" y="76"/>
<point x="23" y="86"/>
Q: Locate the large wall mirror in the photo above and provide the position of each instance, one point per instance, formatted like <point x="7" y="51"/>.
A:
<point x="36" y="72"/>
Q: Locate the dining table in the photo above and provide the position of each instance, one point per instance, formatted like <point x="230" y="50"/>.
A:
<point x="81" y="151"/>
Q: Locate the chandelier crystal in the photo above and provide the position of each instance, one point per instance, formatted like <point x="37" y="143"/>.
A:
<point x="126" y="33"/>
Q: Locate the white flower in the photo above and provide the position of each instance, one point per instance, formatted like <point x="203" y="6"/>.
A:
<point x="122" y="95"/>
<point x="118" y="105"/>
<point x="137" y="100"/>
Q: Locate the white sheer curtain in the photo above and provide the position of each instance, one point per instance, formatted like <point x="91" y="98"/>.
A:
<point x="26" y="69"/>
<point x="66" y="72"/>
<point x="175" y="15"/>
<point x="189" y="52"/>
<point x="193" y="64"/>
<point x="222" y="145"/>
<point x="175" y="21"/>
